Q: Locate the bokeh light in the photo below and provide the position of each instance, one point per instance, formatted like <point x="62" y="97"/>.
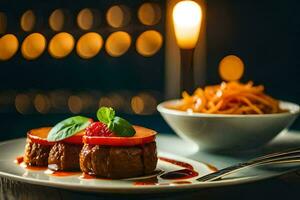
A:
<point x="106" y="101"/>
<point x="57" y="20"/>
<point x="22" y="103"/>
<point x="137" y="104"/>
<point x="118" y="16"/>
<point x="149" y="42"/>
<point x="231" y="68"/>
<point x="149" y="14"/>
<point x="28" y="21"/>
<point x="89" y="45"/>
<point x="33" y="46"/>
<point x="3" y="22"/>
<point x="9" y="45"/>
<point x="61" y="45"/>
<point x="75" y="104"/>
<point x="42" y="103"/>
<point x="118" y="43"/>
<point x="87" y="18"/>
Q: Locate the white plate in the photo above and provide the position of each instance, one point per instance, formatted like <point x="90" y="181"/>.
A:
<point x="8" y="168"/>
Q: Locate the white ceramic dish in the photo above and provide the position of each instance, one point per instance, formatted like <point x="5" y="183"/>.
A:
<point x="216" y="132"/>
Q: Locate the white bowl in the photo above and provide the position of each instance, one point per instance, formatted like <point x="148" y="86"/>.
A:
<point x="215" y="132"/>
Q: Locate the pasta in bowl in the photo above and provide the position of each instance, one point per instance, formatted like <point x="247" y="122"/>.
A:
<point x="231" y="116"/>
<point x="229" y="98"/>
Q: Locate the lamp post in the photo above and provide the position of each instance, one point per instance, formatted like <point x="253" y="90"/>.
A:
<point x="187" y="17"/>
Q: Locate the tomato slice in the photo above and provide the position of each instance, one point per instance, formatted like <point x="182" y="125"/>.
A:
<point x="75" y="139"/>
<point x="39" y="135"/>
<point x="142" y="136"/>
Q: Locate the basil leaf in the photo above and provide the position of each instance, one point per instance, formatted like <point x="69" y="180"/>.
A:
<point x="68" y="128"/>
<point x="105" y="114"/>
<point x="121" y="127"/>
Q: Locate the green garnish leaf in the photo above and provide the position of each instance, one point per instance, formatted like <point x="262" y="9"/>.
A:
<point x="121" y="127"/>
<point x="116" y="124"/>
<point x="105" y="115"/>
<point x="68" y="128"/>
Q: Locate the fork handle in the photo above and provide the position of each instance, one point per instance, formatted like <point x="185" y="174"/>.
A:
<point x="223" y="172"/>
<point x="254" y="163"/>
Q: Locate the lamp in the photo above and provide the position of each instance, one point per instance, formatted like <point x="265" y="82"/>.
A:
<point x="187" y="17"/>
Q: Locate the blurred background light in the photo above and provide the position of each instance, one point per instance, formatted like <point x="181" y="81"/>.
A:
<point x="137" y="104"/>
<point x="42" y="103"/>
<point x="118" y="43"/>
<point x="61" y="45"/>
<point x="59" y="100"/>
<point x="88" y="18"/>
<point x="105" y="101"/>
<point x="118" y="16"/>
<point x="75" y="104"/>
<point x="57" y="20"/>
<point x="89" y="45"/>
<point x="33" y="46"/>
<point x="231" y="68"/>
<point x="3" y="22"/>
<point x="149" y="42"/>
<point x="9" y="45"/>
<point x="149" y="14"/>
<point x="28" y="21"/>
<point x="22" y="103"/>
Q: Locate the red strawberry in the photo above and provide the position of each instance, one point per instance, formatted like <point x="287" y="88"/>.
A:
<point x="98" y="129"/>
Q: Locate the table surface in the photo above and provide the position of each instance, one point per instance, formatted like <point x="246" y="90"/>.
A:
<point x="285" y="186"/>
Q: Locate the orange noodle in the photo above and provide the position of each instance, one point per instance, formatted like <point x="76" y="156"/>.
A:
<point x="229" y="98"/>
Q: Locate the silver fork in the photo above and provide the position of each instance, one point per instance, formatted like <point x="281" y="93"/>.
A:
<point x="287" y="156"/>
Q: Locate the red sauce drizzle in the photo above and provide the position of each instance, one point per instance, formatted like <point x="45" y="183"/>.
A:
<point x="19" y="160"/>
<point x="180" y="174"/>
<point x="182" y="182"/>
<point x="186" y="173"/>
<point x="88" y="176"/>
<point x="139" y="183"/>
<point x="60" y="173"/>
<point x="36" y="168"/>
<point x="148" y="181"/>
<point x="142" y="183"/>
<point x="178" y="163"/>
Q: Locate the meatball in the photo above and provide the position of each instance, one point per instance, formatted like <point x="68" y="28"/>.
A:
<point x="36" y="154"/>
<point x="64" y="157"/>
<point x="118" y="162"/>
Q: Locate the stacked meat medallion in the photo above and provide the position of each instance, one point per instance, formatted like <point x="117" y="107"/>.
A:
<point x="57" y="147"/>
<point x="110" y="147"/>
<point x="119" y="157"/>
<point x="37" y="147"/>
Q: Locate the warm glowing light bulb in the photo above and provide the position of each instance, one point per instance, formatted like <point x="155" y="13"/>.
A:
<point x="187" y="17"/>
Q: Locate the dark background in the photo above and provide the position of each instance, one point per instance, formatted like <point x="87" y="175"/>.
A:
<point x="102" y="72"/>
<point x="263" y="33"/>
